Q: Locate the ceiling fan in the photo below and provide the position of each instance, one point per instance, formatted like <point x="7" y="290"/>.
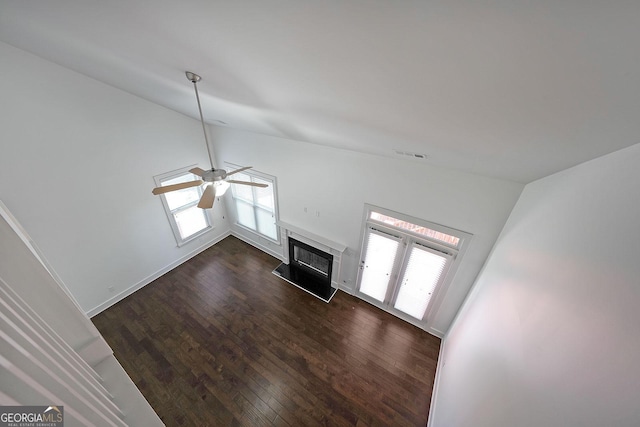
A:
<point x="215" y="180"/>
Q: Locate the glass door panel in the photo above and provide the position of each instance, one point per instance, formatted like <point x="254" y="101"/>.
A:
<point x="378" y="263"/>
<point x="422" y="273"/>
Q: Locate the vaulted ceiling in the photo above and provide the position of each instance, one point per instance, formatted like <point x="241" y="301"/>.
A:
<point x="509" y="89"/>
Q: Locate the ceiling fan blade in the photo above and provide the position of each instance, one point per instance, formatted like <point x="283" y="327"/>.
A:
<point x="239" y="170"/>
<point x="254" y="184"/>
<point x="208" y="197"/>
<point x="174" y="187"/>
<point x="197" y="171"/>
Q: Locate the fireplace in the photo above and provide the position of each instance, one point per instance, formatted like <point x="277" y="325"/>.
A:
<point x="306" y="257"/>
<point x="309" y="268"/>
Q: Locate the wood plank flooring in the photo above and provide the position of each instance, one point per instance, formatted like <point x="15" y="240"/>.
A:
<point x="220" y="341"/>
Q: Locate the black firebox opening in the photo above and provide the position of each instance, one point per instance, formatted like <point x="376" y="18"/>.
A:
<point x="310" y="260"/>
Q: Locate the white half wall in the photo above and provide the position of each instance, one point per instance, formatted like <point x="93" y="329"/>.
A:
<point x="76" y="169"/>
<point x="336" y="184"/>
<point x="549" y="334"/>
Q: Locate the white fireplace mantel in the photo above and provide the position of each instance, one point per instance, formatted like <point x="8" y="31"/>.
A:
<point x="289" y="229"/>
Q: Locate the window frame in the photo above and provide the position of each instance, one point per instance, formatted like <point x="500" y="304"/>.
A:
<point x="252" y="173"/>
<point x="180" y="241"/>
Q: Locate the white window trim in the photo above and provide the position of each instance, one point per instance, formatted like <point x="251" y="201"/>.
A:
<point x="172" y="222"/>
<point x="261" y="175"/>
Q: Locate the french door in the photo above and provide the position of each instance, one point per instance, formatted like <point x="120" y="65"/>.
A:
<point x="399" y="272"/>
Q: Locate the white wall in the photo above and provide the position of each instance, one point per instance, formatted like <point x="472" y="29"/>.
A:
<point x="549" y="334"/>
<point x="338" y="183"/>
<point x="76" y="169"/>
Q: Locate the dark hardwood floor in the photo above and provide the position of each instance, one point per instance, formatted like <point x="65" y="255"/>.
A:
<point x="220" y="341"/>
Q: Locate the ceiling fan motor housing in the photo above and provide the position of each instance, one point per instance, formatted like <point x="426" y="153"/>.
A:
<point x="214" y="175"/>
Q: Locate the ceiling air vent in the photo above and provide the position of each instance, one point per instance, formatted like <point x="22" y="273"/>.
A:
<point x="410" y="155"/>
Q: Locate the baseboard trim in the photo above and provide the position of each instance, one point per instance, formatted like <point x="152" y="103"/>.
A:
<point x="346" y="289"/>
<point x="257" y="245"/>
<point x="144" y="282"/>
<point x="436" y="383"/>
<point x="436" y="332"/>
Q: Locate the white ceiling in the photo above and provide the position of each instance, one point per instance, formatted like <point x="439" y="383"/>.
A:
<point x="509" y="89"/>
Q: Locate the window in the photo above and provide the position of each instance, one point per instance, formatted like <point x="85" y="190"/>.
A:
<point x="405" y="261"/>
<point x="187" y="220"/>
<point x="256" y="207"/>
<point x="415" y="228"/>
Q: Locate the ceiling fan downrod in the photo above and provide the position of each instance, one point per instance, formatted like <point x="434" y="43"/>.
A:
<point x="194" y="78"/>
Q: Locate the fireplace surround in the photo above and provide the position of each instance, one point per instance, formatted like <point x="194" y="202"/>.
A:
<point x="309" y="268"/>
<point x="313" y="262"/>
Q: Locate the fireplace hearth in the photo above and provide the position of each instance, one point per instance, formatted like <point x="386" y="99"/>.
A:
<point x="309" y="268"/>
